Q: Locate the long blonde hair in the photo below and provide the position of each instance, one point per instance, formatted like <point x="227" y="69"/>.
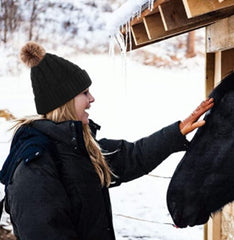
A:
<point x="67" y="112"/>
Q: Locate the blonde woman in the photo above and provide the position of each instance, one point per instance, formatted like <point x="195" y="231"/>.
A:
<point x="57" y="174"/>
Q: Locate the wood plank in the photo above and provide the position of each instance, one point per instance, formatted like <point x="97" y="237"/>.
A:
<point x="225" y="40"/>
<point x="173" y="14"/>
<point x="154" y="26"/>
<point x="199" y="7"/>
<point x="210" y="69"/>
<point x="147" y="11"/>
<point x="227" y="222"/>
<point x="139" y="33"/>
<point x="218" y="66"/>
<point x="209" y="18"/>
<point x="227" y="62"/>
<point x="205" y="232"/>
<point x="214" y="227"/>
<point x="130" y="44"/>
<point x="217" y="73"/>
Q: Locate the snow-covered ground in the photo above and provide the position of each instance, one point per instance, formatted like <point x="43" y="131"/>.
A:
<point x="132" y="101"/>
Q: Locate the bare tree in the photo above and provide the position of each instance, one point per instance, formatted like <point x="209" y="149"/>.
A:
<point x="4" y="16"/>
<point x="9" y="18"/>
<point x="191" y="45"/>
<point x="33" y="17"/>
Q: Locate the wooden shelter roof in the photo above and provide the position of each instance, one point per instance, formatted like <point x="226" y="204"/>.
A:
<point x="169" y="18"/>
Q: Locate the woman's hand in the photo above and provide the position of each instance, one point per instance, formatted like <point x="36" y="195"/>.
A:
<point x="191" y="122"/>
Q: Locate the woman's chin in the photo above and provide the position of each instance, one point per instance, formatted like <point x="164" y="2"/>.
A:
<point x="85" y="121"/>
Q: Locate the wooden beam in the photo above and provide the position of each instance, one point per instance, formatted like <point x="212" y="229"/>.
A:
<point x="139" y="33"/>
<point x="214" y="227"/>
<point x="210" y="71"/>
<point x="227" y="62"/>
<point x="199" y="7"/>
<point x="147" y="11"/>
<point x="225" y="38"/>
<point x="227" y="221"/>
<point x="191" y="25"/>
<point x="205" y="232"/>
<point x="218" y="67"/>
<point x="173" y="14"/>
<point x="154" y="26"/>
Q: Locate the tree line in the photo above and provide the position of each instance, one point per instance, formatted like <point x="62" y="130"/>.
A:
<point x="32" y="17"/>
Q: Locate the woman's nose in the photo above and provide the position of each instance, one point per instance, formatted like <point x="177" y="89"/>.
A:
<point x="91" y="98"/>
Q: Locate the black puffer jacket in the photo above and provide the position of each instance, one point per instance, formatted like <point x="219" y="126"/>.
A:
<point x="54" y="192"/>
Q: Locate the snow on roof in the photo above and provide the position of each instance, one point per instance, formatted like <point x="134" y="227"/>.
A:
<point x="126" y="12"/>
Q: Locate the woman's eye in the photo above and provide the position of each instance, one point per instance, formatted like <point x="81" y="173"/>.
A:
<point x="86" y="92"/>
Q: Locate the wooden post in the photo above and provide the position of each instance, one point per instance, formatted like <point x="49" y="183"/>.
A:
<point x="218" y="67"/>
<point x="214" y="227"/>
<point x="190" y="52"/>
<point x="210" y="66"/>
<point x="224" y="39"/>
<point x="227" y="62"/>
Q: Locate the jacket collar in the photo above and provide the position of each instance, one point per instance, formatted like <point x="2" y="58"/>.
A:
<point x="66" y="131"/>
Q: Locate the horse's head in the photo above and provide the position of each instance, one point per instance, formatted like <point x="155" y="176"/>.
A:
<point x="204" y="180"/>
<point x="195" y="194"/>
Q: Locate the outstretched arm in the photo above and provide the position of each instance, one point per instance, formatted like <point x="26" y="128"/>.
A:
<point x="191" y="122"/>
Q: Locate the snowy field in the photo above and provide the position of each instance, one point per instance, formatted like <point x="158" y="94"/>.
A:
<point x="132" y="101"/>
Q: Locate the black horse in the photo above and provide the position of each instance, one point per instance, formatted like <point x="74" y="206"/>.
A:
<point x="203" y="182"/>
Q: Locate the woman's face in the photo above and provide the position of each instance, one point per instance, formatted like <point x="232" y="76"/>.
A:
<point x="83" y="102"/>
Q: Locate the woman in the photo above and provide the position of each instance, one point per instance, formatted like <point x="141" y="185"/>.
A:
<point x="57" y="175"/>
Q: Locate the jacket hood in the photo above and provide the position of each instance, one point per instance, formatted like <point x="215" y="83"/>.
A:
<point x="27" y="144"/>
<point x="30" y="141"/>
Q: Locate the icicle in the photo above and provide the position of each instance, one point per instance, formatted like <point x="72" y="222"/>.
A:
<point x="121" y="22"/>
<point x="128" y="43"/>
<point x="121" y="41"/>
<point x="126" y="35"/>
<point x="138" y="8"/>
<point x="124" y="71"/>
<point x="112" y="46"/>
<point x="122" y="28"/>
<point x="130" y="35"/>
<point x="150" y="4"/>
<point x="139" y="12"/>
<point x="124" y="55"/>
<point x="123" y="47"/>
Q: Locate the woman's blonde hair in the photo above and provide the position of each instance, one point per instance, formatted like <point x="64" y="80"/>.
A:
<point x="67" y="112"/>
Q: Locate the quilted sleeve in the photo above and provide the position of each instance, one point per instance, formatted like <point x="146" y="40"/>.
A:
<point x="132" y="160"/>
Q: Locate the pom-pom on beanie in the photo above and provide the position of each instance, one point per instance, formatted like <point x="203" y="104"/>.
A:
<point x="55" y="80"/>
